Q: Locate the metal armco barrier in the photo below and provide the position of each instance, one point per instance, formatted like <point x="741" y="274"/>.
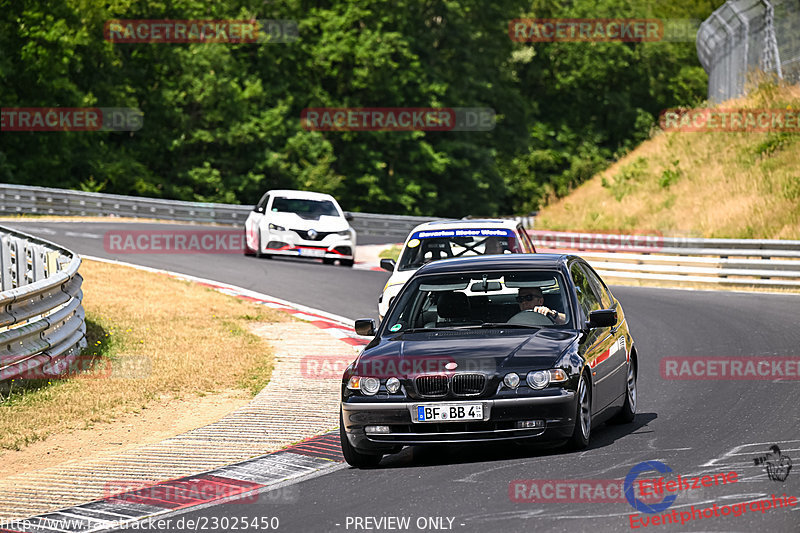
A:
<point x="42" y="327"/>
<point x="24" y="199"/>
<point x="742" y="262"/>
<point x="733" y="262"/>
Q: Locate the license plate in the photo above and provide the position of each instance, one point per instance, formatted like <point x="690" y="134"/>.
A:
<point x="449" y="412"/>
<point x="312" y="252"/>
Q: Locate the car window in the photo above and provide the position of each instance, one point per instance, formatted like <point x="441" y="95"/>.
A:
<point x="479" y="299"/>
<point x="308" y="209"/>
<point x="598" y="287"/>
<point x="587" y="299"/>
<point x="526" y="240"/>
<point x="262" y="204"/>
<point x="431" y="245"/>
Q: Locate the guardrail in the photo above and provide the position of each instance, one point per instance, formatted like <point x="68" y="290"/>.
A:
<point x="42" y="327"/>
<point x="24" y="199"/>
<point x="743" y="262"/>
<point x="732" y="262"/>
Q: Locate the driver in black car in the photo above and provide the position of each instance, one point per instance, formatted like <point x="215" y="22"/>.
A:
<point x="531" y="299"/>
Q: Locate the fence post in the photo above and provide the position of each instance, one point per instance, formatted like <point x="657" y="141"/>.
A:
<point x="770" y="57"/>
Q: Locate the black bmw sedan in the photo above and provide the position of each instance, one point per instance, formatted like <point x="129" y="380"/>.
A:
<point x="506" y="347"/>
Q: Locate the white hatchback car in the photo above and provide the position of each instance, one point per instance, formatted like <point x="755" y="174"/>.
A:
<point x="300" y="223"/>
<point x="444" y="239"/>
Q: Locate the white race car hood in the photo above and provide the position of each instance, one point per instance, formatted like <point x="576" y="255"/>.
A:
<point x="323" y="224"/>
<point x="399" y="278"/>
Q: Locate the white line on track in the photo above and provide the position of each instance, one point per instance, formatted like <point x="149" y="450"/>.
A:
<point x="86" y="235"/>
<point x="734" y="451"/>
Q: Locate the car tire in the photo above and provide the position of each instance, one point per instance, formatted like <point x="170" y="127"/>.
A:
<point x="247" y="250"/>
<point x="259" y="253"/>
<point x="583" y="416"/>
<point x="346" y="262"/>
<point x="353" y="456"/>
<point x="327" y="261"/>
<point x="628" y="411"/>
<point x="258" y="244"/>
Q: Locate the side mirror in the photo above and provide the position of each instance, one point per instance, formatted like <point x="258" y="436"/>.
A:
<point x="348" y="216"/>
<point x="365" y="327"/>
<point x="602" y="318"/>
<point x="387" y="264"/>
<point x="259" y="209"/>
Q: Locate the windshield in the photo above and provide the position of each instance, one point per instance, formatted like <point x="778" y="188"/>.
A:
<point x="308" y="209"/>
<point x="426" y="246"/>
<point x="516" y="299"/>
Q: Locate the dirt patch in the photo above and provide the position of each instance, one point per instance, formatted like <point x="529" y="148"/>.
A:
<point x="152" y="339"/>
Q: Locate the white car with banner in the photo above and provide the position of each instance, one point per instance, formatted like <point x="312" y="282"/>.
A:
<point x="444" y="239"/>
<point x="300" y="223"/>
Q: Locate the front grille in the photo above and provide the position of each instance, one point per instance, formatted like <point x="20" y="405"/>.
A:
<point x="432" y="385"/>
<point x="304" y="235"/>
<point x="468" y="384"/>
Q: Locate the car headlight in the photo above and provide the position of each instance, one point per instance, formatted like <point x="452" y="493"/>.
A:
<point x="276" y="227"/>
<point x="345" y="233"/>
<point x="392" y="385"/>
<point x="542" y="378"/>
<point x="368" y="386"/>
<point x="511" y="380"/>
<point x="538" y="380"/>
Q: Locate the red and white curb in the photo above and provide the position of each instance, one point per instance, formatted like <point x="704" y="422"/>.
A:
<point x="368" y="265"/>
<point x="251" y="481"/>
<point x="265" y="479"/>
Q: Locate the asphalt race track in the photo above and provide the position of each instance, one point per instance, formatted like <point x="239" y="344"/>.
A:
<point x="694" y="427"/>
<point x="333" y="288"/>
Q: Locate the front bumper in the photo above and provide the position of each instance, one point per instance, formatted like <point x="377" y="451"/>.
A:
<point x="557" y="411"/>
<point x="288" y="243"/>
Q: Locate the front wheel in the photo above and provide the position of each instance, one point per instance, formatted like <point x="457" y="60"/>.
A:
<point x="353" y="456"/>
<point x="259" y="253"/>
<point x="583" y="417"/>
<point x="247" y="250"/>
<point x="258" y="244"/>
<point x="346" y="262"/>
<point x="628" y="411"/>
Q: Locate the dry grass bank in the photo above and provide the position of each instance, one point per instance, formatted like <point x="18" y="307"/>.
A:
<point x="725" y="185"/>
<point x="156" y="339"/>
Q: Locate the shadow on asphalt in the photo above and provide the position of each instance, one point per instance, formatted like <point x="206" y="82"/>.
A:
<point x="444" y="454"/>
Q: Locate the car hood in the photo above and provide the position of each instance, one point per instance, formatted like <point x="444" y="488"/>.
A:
<point x="399" y="278"/>
<point x="486" y="351"/>
<point x="294" y="221"/>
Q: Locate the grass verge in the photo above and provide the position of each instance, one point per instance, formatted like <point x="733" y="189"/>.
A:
<point x="152" y="337"/>
<point x="392" y="252"/>
<point x="713" y="185"/>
